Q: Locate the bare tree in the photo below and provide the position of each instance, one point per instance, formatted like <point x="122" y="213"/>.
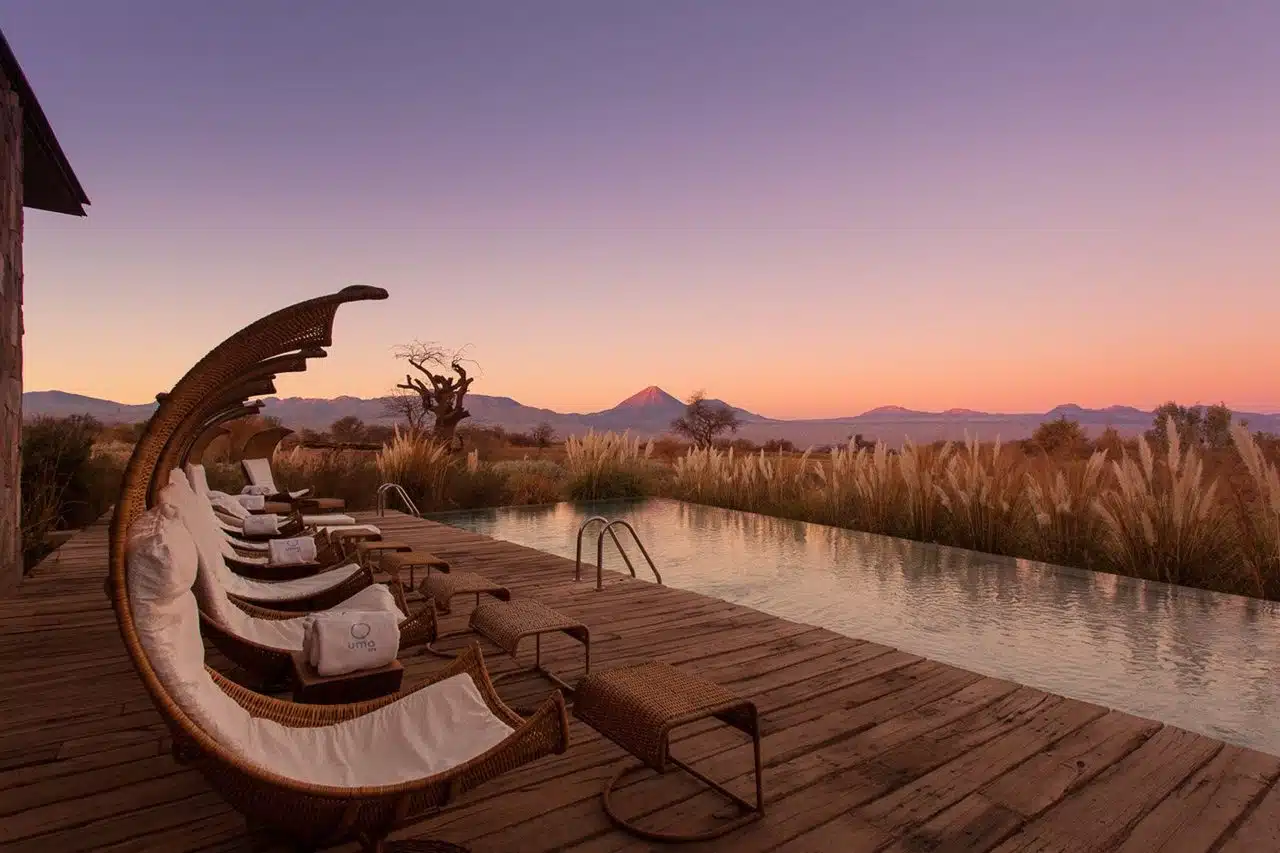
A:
<point x="543" y="434"/>
<point x="703" y="420"/>
<point x="442" y="396"/>
<point x="405" y="407"/>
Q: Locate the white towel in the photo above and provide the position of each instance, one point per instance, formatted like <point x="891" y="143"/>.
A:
<point x="252" y="502"/>
<point x="262" y="525"/>
<point x="338" y="642"/>
<point x="300" y="493"/>
<point x="291" y="552"/>
<point x="265" y="491"/>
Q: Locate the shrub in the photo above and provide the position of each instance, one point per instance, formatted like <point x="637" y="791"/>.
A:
<point x="64" y="484"/>
<point x="348" y="474"/>
<point x="532" y="481"/>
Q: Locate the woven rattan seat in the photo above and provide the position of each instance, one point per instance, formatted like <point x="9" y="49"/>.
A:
<point x="441" y="588"/>
<point x="506" y="623"/>
<point x="638" y="706"/>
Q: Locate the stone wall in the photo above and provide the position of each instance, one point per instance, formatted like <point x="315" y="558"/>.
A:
<point x="10" y="336"/>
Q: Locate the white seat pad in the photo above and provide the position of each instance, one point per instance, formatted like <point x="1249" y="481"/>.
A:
<point x="327" y="520"/>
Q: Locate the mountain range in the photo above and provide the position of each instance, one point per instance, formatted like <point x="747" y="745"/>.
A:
<point x="649" y="413"/>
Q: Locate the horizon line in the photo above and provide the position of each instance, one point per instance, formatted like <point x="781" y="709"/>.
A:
<point x="1242" y="409"/>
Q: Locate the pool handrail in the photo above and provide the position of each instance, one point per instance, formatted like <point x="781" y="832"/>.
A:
<point x="396" y="489"/>
<point x="608" y="528"/>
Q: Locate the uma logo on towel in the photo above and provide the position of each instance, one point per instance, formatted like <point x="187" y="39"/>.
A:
<point x="359" y="631"/>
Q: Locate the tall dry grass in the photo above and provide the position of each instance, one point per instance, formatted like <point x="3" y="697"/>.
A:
<point x="607" y="465"/>
<point x="1259" y="515"/>
<point x="1155" y="515"/>
<point x="420" y="464"/>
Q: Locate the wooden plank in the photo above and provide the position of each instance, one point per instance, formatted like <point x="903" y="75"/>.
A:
<point x="1260" y="830"/>
<point x="1097" y="817"/>
<point x="1205" y="806"/>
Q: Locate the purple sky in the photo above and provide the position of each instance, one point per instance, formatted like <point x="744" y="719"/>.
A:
<point x="807" y="208"/>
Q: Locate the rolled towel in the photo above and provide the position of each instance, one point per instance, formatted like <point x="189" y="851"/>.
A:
<point x="265" y="491"/>
<point x="252" y="502"/>
<point x="261" y="525"/>
<point x="351" y="640"/>
<point x="300" y="493"/>
<point x="291" y="552"/>
<point x="230" y="506"/>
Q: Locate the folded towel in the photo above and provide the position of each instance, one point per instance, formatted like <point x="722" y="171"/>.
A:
<point x="292" y="552"/>
<point x="351" y="640"/>
<point x="327" y="520"/>
<point x="230" y="506"/>
<point x="265" y="491"/>
<point x="261" y="525"/>
<point x="252" y="502"/>
<point x="300" y="493"/>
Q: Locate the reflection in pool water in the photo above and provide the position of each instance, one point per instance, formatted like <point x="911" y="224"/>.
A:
<point x="1200" y="660"/>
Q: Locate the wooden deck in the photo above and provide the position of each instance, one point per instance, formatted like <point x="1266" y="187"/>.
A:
<point x="866" y="748"/>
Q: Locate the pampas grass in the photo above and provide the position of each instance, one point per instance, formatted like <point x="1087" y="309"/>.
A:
<point x="1163" y="520"/>
<point x="1260" y="517"/>
<point x="1126" y="509"/>
<point x="607" y="465"/>
<point x="420" y="464"/>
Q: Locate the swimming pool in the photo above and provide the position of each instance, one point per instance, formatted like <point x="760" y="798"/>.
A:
<point x="1203" y="661"/>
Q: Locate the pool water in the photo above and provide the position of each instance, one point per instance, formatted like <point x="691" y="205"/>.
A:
<point x="1203" y="661"/>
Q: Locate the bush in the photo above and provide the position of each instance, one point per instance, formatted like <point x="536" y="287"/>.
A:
<point x="64" y="484"/>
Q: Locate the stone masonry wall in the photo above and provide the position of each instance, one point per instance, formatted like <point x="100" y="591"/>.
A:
<point x="10" y="337"/>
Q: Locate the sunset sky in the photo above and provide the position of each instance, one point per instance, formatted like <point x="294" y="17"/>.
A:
<point x="808" y="209"/>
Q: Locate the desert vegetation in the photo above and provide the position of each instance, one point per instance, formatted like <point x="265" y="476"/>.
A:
<point x="1159" y="507"/>
<point x="1194" y="501"/>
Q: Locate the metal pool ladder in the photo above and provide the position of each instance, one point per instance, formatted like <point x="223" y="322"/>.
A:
<point x="397" y="489"/>
<point x="608" y="528"/>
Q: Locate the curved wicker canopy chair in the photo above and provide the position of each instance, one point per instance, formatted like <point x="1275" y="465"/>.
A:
<point x="262" y="444"/>
<point x="357" y="800"/>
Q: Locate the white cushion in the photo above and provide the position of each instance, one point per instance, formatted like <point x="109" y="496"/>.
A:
<point x="259" y="473"/>
<point x="419" y="736"/>
<point x="325" y="530"/>
<point x="214" y="579"/>
<point x="199" y="479"/>
<point x="230" y="506"/>
<point x="331" y="520"/>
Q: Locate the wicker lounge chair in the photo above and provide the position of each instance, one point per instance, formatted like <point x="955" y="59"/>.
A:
<point x="240" y="741"/>
<point x="255" y="459"/>
<point x="318" y="590"/>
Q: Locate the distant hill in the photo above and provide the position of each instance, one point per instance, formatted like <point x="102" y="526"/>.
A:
<point x="649" y="412"/>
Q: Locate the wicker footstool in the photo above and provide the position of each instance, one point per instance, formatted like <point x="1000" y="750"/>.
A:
<point x="638" y="706"/>
<point x="506" y="623"/>
<point x="393" y="562"/>
<point x="442" y="587"/>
